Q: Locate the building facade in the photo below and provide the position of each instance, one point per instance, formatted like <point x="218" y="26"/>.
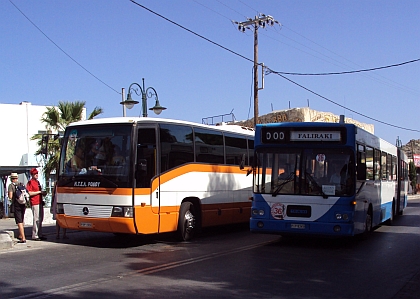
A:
<point x="20" y="122"/>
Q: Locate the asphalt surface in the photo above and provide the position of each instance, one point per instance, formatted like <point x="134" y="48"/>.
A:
<point x="9" y="233"/>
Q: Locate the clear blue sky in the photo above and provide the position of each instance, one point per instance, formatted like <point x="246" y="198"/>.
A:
<point x="121" y="43"/>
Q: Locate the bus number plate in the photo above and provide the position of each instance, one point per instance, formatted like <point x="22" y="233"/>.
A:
<point x="85" y="224"/>
<point x="297" y="226"/>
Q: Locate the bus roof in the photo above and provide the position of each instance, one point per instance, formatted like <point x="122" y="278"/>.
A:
<point x="132" y="120"/>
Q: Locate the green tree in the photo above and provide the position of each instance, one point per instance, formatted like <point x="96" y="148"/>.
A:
<point x="412" y="175"/>
<point x="56" y="119"/>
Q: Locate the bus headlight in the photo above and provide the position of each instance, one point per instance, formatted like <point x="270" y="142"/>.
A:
<point x="122" y="212"/>
<point x="256" y="212"/>
<point x="340" y="216"/>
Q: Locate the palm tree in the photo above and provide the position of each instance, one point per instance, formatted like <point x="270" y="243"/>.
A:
<point x="57" y="119"/>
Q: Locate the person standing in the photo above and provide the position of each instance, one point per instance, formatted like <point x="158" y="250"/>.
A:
<point x="35" y="198"/>
<point x="19" y="208"/>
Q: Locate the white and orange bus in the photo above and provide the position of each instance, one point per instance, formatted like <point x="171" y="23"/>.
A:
<point x="149" y="175"/>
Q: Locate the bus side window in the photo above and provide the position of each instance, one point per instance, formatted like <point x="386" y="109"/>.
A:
<point x="361" y="163"/>
<point x="369" y="163"/>
<point x="176" y="146"/>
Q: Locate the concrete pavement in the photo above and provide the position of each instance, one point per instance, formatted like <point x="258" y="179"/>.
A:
<point x="9" y="230"/>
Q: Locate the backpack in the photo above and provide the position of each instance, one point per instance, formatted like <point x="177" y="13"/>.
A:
<point x="22" y="195"/>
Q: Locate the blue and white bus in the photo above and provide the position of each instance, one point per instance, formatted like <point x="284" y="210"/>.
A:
<point x="331" y="179"/>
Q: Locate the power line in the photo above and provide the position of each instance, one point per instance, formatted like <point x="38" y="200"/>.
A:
<point x="271" y="71"/>
<point x="74" y="60"/>
<point x="391" y="83"/>
<point x="190" y="31"/>
<point x="350" y="72"/>
<point x="397" y="85"/>
<point x="335" y="103"/>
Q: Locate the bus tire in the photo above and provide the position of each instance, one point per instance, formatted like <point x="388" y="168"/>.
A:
<point x="368" y="222"/>
<point x="390" y="221"/>
<point x="186" y="221"/>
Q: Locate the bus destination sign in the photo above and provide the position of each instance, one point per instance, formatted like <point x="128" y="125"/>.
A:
<point x="283" y="135"/>
<point x="315" y="136"/>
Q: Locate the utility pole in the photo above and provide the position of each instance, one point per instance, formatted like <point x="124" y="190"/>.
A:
<point x="259" y="21"/>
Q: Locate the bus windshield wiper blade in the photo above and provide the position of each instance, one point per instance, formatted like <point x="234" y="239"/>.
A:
<point x="311" y="178"/>
<point x="281" y="185"/>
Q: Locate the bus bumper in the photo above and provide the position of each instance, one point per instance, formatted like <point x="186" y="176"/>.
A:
<point x="300" y="227"/>
<point x="117" y="225"/>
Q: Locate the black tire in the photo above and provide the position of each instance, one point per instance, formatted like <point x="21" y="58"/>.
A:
<point x="390" y="221"/>
<point x="368" y="225"/>
<point x="186" y="221"/>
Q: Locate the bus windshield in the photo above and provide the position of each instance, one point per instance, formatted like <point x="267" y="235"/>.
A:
<point x="97" y="150"/>
<point x="309" y="171"/>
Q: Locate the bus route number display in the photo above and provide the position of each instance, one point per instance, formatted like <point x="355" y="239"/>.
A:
<point x="274" y="135"/>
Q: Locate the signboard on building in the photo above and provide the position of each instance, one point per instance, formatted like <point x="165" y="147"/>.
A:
<point x="416" y="159"/>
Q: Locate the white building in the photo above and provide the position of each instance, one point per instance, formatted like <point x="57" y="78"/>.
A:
<point x="19" y="123"/>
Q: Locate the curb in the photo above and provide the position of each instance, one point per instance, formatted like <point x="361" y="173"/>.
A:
<point x="6" y="241"/>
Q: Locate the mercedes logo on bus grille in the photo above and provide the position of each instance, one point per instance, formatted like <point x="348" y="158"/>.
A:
<point x="85" y="211"/>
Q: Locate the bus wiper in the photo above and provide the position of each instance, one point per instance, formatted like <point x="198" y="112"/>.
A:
<point x="311" y="178"/>
<point x="281" y="185"/>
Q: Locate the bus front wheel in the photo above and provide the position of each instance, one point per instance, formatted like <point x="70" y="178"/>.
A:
<point x="368" y="223"/>
<point x="186" y="221"/>
<point x="390" y="221"/>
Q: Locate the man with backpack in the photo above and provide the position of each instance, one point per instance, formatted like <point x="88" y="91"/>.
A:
<point x="35" y="196"/>
<point x="18" y="207"/>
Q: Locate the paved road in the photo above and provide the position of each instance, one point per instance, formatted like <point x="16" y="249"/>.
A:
<point x="231" y="264"/>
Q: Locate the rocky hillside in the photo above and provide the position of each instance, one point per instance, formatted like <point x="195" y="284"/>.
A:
<point x="410" y="147"/>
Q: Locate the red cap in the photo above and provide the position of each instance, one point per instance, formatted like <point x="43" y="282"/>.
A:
<point x="34" y="171"/>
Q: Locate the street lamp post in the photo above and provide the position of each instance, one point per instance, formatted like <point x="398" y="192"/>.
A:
<point x="144" y="93"/>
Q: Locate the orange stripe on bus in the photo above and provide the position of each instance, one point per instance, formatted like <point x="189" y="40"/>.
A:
<point x="222" y="169"/>
<point x="165" y="177"/>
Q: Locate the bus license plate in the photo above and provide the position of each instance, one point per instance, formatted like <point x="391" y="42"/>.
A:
<point x="86" y="224"/>
<point x="297" y="226"/>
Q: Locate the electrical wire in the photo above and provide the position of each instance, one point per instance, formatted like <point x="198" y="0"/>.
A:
<point x="393" y="83"/>
<point x="349" y="72"/>
<point x="68" y="55"/>
<point x="281" y="74"/>
<point x="335" y="103"/>
<point x="192" y="32"/>
<point x="278" y="73"/>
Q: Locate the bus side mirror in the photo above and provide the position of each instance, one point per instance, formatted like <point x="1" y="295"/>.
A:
<point x="242" y="165"/>
<point x="248" y="172"/>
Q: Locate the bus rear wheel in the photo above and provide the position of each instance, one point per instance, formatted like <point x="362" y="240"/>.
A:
<point x="186" y="221"/>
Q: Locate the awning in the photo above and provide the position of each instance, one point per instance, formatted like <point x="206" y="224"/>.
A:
<point x="7" y="170"/>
